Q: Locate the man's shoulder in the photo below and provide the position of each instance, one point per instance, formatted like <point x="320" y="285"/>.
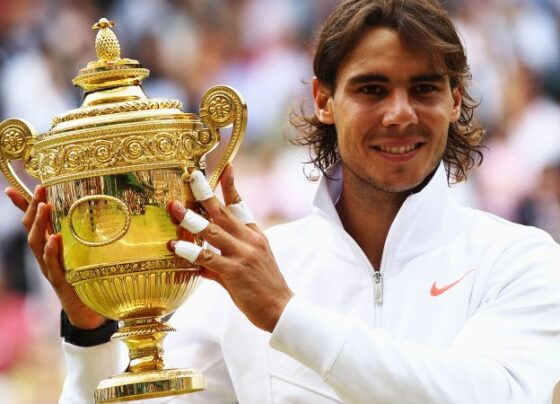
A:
<point x="310" y="233"/>
<point x="491" y="227"/>
<point x="517" y="258"/>
<point x="294" y="231"/>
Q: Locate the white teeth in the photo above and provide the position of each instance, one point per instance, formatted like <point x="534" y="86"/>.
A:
<point x="398" y="150"/>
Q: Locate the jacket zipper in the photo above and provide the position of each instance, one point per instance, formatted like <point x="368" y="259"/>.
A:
<point x="378" y="286"/>
<point x="378" y="273"/>
<point x="377" y="298"/>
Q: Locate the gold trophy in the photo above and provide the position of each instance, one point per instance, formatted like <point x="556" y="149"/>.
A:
<point x="110" y="167"/>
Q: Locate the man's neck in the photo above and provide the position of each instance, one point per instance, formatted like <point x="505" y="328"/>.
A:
<point x="367" y="214"/>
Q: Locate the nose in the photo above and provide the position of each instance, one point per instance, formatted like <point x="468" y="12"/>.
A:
<point x="399" y="112"/>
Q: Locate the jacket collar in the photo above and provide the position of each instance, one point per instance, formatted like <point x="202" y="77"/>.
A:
<point x="425" y="220"/>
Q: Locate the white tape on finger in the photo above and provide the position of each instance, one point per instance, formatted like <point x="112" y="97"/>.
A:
<point x="241" y="211"/>
<point x="188" y="250"/>
<point x="200" y="187"/>
<point x="193" y="222"/>
<point x="213" y="249"/>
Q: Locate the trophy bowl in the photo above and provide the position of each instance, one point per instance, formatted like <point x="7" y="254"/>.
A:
<point x="110" y="167"/>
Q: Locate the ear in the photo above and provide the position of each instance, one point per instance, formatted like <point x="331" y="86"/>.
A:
<point x="323" y="102"/>
<point x="457" y="95"/>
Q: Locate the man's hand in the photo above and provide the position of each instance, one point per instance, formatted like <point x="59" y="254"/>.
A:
<point x="246" y="267"/>
<point x="47" y="249"/>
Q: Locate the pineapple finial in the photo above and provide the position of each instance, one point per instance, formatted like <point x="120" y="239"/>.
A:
<point x="109" y="70"/>
<point x="107" y="45"/>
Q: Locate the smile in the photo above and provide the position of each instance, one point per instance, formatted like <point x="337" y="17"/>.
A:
<point x="398" y="149"/>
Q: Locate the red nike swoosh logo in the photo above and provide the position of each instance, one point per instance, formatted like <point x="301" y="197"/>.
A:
<point x="435" y="291"/>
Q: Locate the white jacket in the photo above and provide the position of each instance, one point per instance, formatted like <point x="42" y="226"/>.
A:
<point x="466" y="310"/>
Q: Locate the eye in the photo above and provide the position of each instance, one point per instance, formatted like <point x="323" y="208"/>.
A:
<point x="373" y="89"/>
<point x="425" y="88"/>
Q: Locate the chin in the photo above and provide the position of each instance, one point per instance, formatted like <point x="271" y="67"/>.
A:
<point x="398" y="180"/>
<point x="394" y="184"/>
<point x="399" y="187"/>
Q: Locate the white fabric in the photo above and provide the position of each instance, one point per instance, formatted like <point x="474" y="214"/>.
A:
<point x="493" y="337"/>
<point x="200" y="187"/>
<point x="242" y="211"/>
<point x="189" y="251"/>
<point x="105" y="360"/>
<point x="193" y="222"/>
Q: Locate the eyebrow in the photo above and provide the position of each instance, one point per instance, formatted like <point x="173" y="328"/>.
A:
<point x="380" y="78"/>
<point x="368" y="78"/>
<point x="433" y="78"/>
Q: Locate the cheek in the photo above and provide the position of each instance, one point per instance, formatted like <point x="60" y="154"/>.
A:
<point x="344" y="143"/>
<point x="440" y="145"/>
<point x="438" y="121"/>
<point x="439" y="118"/>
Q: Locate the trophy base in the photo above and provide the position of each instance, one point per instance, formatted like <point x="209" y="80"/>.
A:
<point x="149" y="384"/>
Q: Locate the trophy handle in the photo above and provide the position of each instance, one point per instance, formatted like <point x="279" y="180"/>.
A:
<point x="220" y="107"/>
<point x="16" y="143"/>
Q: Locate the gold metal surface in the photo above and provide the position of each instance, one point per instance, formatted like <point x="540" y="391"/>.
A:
<point x="98" y="220"/>
<point x="117" y="108"/>
<point x="149" y="385"/>
<point x="110" y="168"/>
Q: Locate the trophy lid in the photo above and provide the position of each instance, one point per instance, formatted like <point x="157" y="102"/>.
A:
<point x="110" y="70"/>
<point x="112" y="88"/>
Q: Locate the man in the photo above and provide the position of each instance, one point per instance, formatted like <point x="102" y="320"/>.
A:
<point x="389" y="291"/>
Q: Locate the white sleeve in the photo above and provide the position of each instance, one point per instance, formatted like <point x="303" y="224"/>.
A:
<point x="507" y="352"/>
<point x="87" y="367"/>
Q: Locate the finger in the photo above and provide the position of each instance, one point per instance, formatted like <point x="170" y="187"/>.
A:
<point x="243" y="213"/>
<point x="203" y="257"/>
<point x="183" y="234"/>
<point x="50" y="229"/>
<point x="200" y="187"/>
<point x="37" y="233"/>
<point x="211" y="232"/>
<point x="60" y="245"/>
<point x="170" y="211"/>
<point x="53" y="258"/>
<point x="213" y="276"/>
<point x="180" y="232"/>
<point x="192" y="222"/>
<point x="17" y="199"/>
<point x="232" y="199"/>
<point x="215" y="209"/>
<point x="227" y="180"/>
<point x="187" y="250"/>
<point x="28" y="218"/>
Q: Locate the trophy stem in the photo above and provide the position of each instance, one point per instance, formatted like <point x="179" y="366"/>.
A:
<point x="146" y="376"/>
<point x="144" y="340"/>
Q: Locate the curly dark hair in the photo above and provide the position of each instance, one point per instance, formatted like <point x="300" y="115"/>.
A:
<point x="424" y="26"/>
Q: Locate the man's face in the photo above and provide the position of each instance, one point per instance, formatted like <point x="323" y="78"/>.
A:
<point x="391" y="110"/>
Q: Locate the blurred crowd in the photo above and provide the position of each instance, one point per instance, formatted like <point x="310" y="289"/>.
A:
<point x="264" y="49"/>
